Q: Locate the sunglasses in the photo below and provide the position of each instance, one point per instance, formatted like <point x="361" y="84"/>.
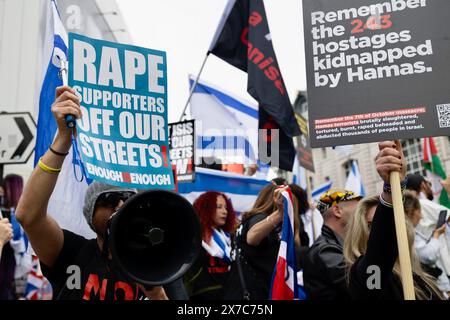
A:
<point x="112" y="199"/>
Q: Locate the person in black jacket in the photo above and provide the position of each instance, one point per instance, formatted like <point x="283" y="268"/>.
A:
<point x="324" y="267"/>
<point x="371" y="243"/>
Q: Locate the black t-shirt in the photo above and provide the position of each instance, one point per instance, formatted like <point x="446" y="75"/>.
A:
<point x="98" y="280"/>
<point x="258" y="263"/>
<point x="263" y="256"/>
<point x="206" y="278"/>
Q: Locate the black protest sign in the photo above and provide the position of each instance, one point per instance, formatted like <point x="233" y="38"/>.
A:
<point x="377" y="70"/>
<point x="181" y="144"/>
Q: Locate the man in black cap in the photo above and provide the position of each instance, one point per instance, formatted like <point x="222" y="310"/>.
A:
<point x="420" y="185"/>
<point x="77" y="268"/>
<point x="324" y="268"/>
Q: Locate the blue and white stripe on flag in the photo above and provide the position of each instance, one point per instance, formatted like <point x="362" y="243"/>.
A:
<point x="46" y="126"/>
<point x="67" y="199"/>
<point x="227" y="128"/>
<point x="354" y="181"/>
<point x="241" y="190"/>
<point x="19" y="243"/>
<point x="316" y="193"/>
<point x="219" y="246"/>
<point x="263" y="170"/>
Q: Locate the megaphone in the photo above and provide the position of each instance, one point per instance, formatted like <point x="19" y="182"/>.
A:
<point x="155" y="237"/>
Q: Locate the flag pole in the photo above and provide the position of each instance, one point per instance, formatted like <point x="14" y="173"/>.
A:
<point x="63" y="71"/>
<point x="402" y="238"/>
<point x="430" y="155"/>
<point x="194" y="85"/>
<point x="309" y="193"/>
<point x="427" y="149"/>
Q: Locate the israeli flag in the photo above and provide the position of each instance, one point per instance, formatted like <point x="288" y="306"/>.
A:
<point x="55" y="50"/>
<point x="316" y="193"/>
<point x="219" y="246"/>
<point x="66" y="202"/>
<point x="19" y="243"/>
<point x="241" y="190"/>
<point x="354" y="181"/>
<point x="227" y="127"/>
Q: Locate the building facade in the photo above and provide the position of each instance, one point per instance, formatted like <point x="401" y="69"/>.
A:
<point x="23" y="58"/>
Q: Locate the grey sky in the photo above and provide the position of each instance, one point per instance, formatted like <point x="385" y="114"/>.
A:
<point x="184" y="29"/>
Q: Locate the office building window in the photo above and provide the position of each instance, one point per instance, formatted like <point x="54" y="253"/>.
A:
<point x="412" y="148"/>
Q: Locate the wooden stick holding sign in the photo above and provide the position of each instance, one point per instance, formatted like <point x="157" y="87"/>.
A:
<point x="402" y="237"/>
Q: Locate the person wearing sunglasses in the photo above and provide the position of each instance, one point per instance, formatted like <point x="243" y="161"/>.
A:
<point x="77" y="268"/>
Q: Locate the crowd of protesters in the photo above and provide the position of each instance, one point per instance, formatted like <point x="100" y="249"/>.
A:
<point x="357" y="234"/>
<point x="337" y="240"/>
<point x="238" y="254"/>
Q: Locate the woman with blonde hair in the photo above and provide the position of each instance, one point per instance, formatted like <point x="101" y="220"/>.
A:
<point x="371" y="241"/>
<point x="428" y="249"/>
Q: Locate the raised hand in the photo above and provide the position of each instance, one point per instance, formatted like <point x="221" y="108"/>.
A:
<point x="390" y="158"/>
<point x="6" y="231"/>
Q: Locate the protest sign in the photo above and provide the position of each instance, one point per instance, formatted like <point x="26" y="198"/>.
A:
<point x="181" y="145"/>
<point x="377" y="69"/>
<point x="304" y="151"/>
<point x="122" y="136"/>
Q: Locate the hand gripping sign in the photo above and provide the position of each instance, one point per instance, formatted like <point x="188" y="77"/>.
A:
<point x="123" y="135"/>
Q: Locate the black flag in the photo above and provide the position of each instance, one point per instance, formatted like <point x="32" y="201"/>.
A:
<point x="286" y="151"/>
<point x="245" y="43"/>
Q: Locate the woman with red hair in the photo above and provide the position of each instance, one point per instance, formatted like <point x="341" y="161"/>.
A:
<point x="206" y="278"/>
